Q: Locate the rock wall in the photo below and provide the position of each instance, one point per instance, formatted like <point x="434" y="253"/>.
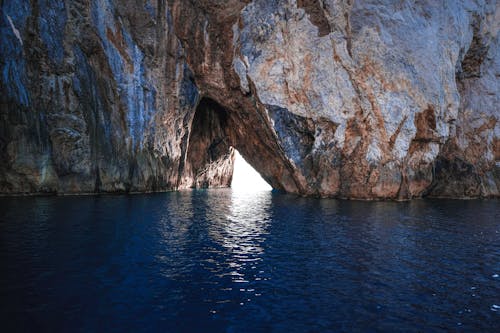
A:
<point x="353" y="99"/>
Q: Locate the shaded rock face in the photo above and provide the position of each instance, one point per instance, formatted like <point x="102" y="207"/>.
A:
<point x="353" y="99"/>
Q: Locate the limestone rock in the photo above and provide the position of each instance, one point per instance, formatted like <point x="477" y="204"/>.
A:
<point x="353" y="99"/>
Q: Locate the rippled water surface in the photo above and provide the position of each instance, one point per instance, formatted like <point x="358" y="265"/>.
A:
<point x="224" y="261"/>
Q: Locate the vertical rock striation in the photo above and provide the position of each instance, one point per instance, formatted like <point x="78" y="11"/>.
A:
<point x="353" y="99"/>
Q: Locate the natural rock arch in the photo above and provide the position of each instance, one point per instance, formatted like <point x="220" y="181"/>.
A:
<point x="215" y="132"/>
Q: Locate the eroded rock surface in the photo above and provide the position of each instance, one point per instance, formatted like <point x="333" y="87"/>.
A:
<point x="353" y="99"/>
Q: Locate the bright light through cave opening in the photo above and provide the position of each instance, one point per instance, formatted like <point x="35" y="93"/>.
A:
<point x="245" y="178"/>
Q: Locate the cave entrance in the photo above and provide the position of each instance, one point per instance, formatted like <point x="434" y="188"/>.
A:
<point x="211" y="158"/>
<point x="246" y="178"/>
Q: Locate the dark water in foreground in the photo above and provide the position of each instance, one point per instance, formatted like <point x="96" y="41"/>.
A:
<point x="221" y="261"/>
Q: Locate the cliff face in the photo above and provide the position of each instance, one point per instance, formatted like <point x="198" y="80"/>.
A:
<point x="356" y="99"/>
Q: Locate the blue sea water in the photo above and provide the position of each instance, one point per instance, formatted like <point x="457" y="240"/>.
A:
<point x="226" y="261"/>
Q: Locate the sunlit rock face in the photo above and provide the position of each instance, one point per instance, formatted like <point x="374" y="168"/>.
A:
<point x="353" y="99"/>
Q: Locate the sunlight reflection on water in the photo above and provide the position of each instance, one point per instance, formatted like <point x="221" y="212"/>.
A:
<point x="241" y="230"/>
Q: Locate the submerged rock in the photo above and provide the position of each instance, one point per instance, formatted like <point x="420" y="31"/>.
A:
<point x="352" y="99"/>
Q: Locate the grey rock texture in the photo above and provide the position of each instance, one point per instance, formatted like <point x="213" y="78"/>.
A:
<point x="353" y="99"/>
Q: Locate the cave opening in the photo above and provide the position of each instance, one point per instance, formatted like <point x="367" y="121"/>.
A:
<point x="212" y="159"/>
<point x="246" y="178"/>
